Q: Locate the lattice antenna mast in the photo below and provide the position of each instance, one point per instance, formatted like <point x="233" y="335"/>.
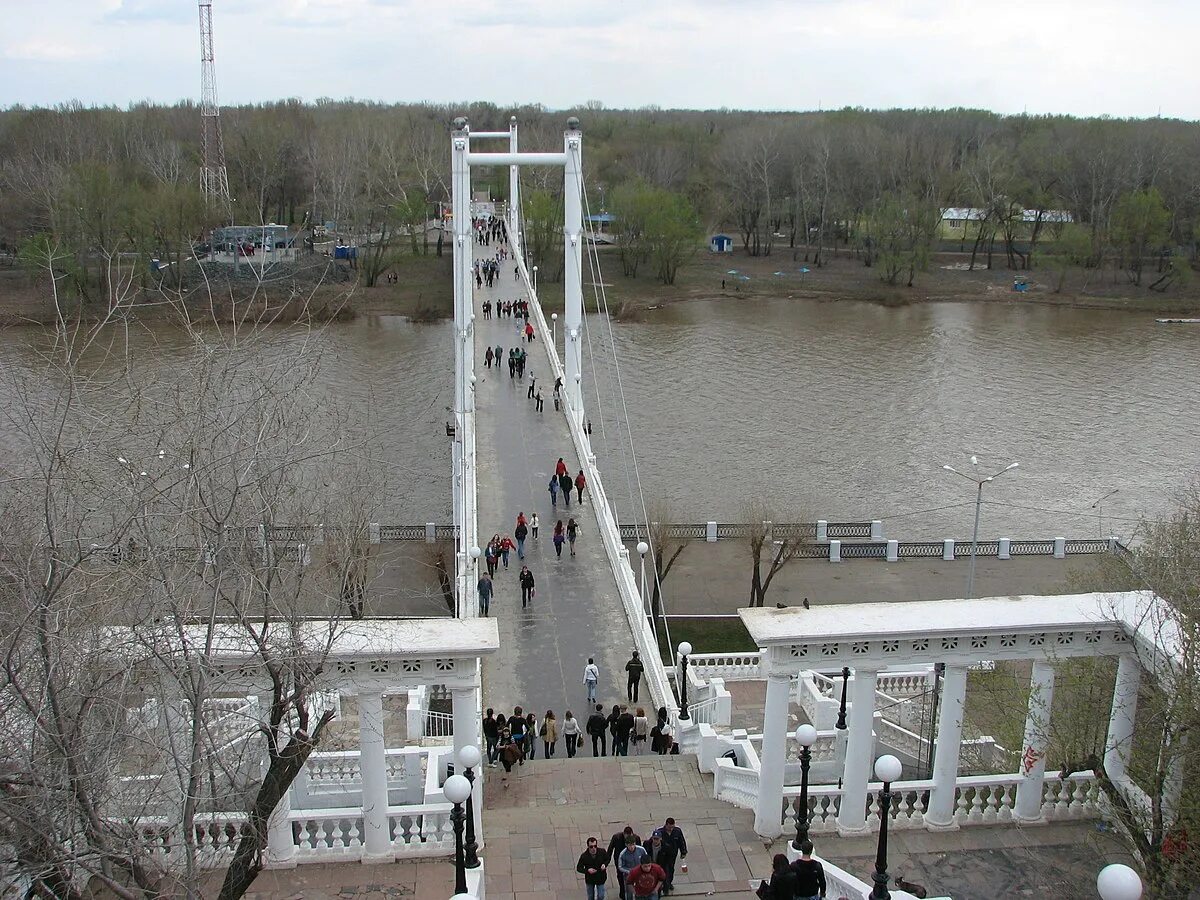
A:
<point x="214" y="180"/>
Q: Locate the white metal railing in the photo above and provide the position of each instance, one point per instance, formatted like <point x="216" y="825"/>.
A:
<point x="618" y="554"/>
<point x="730" y="666"/>
<point x="438" y="724"/>
<point x="705" y="712"/>
<point x="330" y="772"/>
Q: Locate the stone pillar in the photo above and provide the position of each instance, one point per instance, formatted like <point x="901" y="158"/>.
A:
<point x="1060" y="547"/>
<point x="877" y="530"/>
<point x="947" y="549"/>
<point x="1033" y="753"/>
<point x="465" y="706"/>
<point x="835" y="551"/>
<point x="893" y="551"/>
<point x="1120" y="721"/>
<point x="768" y="810"/>
<point x="281" y="846"/>
<point x="177" y="731"/>
<point x="1002" y="551"/>
<point x="949" y="741"/>
<point x="822" y="531"/>
<point x="710" y="532"/>
<point x="852" y="817"/>
<point x="377" y="842"/>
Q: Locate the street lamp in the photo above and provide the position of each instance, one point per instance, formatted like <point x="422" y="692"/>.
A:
<point x="1118" y="882"/>
<point x="887" y="770"/>
<point x="554" y="327"/>
<point x="806" y="736"/>
<point x="643" y="548"/>
<point x="457" y="789"/>
<point x="685" y="650"/>
<point x="841" y="719"/>
<point x="1100" y="504"/>
<point x="979" y="483"/>
<point x="535" y="279"/>
<point x="468" y="759"/>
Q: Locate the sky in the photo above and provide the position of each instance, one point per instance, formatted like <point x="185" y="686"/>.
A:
<point x="1081" y="57"/>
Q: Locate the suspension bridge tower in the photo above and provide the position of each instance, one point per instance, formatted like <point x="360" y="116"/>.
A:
<point x="214" y="180"/>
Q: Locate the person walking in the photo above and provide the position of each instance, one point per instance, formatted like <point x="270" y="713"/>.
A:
<point x="485" y="593"/>
<point x="634" y="669"/>
<point x="572" y="533"/>
<point x="580" y="484"/>
<point x="625" y="723"/>
<point x="526" y="586"/>
<point x="490" y="554"/>
<point x="810" y="874"/>
<point x="533" y="526"/>
<point x="516" y="728"/>
<point x="520" y="533"/>
<point x="596" y="728"/>
<point x="571" y="733"/>
<point x="510" y="753"/>
<point x="560" y="535"/>
<point x="528" y="332"/>
<point x="663" y="854"/>
<point x="641" y="730"/>
<point x="591" y="677"/>
<point x="532" y="733"/>
<point x="554" y="490"/>
<point x="549" y="733"/>
<point x="560" y="468"/>
<point x="506" y="547"/>
<point x="487" y="357"/>
<point x="564" y="482"/>
<point x="538" y="403"/>
<point x="783" y="879"/>
<point x="496" y="356"/>
<point x="593" y="866"/>
<point x="611" y="721"/>
<point x="630" y="860"/>
<point x="672" y="834"/>
<point x="491" y="737"/>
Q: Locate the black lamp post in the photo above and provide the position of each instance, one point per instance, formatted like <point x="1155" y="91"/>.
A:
<point x="841" y="722"/>
<point x="806" y="736"/>
<point x="887" y="770"/>
<point x="457" y="790"/>
<point x="685" y="650"/>
<point x="468" y="758"/>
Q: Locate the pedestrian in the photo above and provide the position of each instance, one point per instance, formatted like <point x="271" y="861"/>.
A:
<point x="572" y="533"/>
<point x="557" y="388"/>
<point x="571" y="733"/>
<point x="810" y="874"/>
<point x="593" y="866"/>
<point x="554" y="490"/>
<point x="516" y="727"/>
<point x="564" y="482"/>
<point x="673" y="835"/>
<point x="641" y="729"/>
<point x="506" y="547"/>
<point x="624" y="729"/>
<point x="528" y="331"/>
<point x="496" y="357"/>
<point x="630" y="860"/>
<point x="512" y="364"/>
<point x="537" y="400"/>
<point x="580" y="484"/>
<point x="491" y="737"/>
<point x="532" y="382"/>
<point x="521" y="532"/>
<point x="596" y="729"/>
<point x="532" y="733"/>
<point x="591" y="677"/>
<point x="487" y="358"/>
<point x="527" y="591"/>
<point x="611" y="722"/>
<point x="560" y="467"/>
<point x="533" y="526"/>
<point x="510" y="752"/>
<point x="634" y="669"/>
<point x="489" y="556"/>
<point x="663" y="854"/>
<point x="549" y="733"/>
<point x="559" y="537"/>
<point x="783" y="879"/>
<point x="485" y="593"/>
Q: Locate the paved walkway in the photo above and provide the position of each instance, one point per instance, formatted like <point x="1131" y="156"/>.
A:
<point x="577" y="611"/>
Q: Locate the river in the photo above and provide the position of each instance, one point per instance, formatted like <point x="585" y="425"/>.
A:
<point x="837" y="410"/>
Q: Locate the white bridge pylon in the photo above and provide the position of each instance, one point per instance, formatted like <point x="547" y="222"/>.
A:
<point x="462" y="160"/>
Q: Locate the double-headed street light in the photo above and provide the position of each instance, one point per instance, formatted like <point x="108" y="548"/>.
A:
<point x="1100" y="505"/>
<point x="457" y="790"/>
<point x="979" y="482"/>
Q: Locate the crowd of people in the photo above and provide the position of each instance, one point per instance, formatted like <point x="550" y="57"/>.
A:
<point x="645" y="870"/>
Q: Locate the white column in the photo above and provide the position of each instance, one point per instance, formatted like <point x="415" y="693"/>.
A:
<point x="178" y="737"/>
<point x="768" y="809"/>
<point x="465" y="708"/>
<point x="281" y="847"/>
<point x="514" y="188"/>
<point x="860" y="746"/>
<point x="1037" y="739"/>
<point x="1120" y="722"/>
<point x="949" y="741"/>
<point x="373" y="765"/>
<point x="573" y="271"/>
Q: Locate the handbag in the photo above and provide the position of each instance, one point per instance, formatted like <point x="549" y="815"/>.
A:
<point x="542" y="731"/>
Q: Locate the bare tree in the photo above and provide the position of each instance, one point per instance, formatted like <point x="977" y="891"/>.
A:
<point x="759" y="540"/>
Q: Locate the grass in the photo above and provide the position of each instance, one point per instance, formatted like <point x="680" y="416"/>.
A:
<point x="709" y="636"/>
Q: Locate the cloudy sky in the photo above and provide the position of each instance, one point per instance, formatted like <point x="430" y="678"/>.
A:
<point x="1116" y="57"/>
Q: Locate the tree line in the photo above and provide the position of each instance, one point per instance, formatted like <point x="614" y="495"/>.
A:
<point x="1050" y="192"/>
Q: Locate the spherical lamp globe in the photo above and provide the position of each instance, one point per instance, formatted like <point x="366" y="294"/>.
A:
<point x="469" y="756"/>
<point x="643" y="548"/>
<point x="806" y="735"/>
<point x="888" y="769"/>
<point x="1118" y="882"/>
<point x="457" y="789"/>
<point x="685" y="649"/>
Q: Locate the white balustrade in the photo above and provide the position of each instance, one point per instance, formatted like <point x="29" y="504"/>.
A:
<point x="735" y="784"/>
<point x="730" y="666"/>
<point x="327" y="835"/>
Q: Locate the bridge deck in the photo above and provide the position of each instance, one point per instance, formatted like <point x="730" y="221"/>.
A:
<point x="577" y="610"/>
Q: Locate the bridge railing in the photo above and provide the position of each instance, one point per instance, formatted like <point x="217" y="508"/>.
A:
<point x="610" y="533"/>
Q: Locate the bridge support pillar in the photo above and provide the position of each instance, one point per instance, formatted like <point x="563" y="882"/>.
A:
<point x="852" y="815"/>
<point x="1037" y="739"/>
<point x="940" y="814"/>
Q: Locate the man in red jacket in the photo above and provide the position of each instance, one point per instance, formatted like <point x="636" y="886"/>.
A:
<point x="646" y="879"/>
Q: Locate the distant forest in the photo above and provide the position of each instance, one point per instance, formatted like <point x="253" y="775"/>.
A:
<point x="104" y="181"/>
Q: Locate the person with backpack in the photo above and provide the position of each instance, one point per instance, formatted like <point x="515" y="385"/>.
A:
<point x="520" y="533"/>
<point x="596" y="727"/>
<point x="810" y="874"/>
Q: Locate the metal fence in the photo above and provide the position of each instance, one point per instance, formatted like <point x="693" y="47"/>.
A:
<point x="779" y="531"/>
